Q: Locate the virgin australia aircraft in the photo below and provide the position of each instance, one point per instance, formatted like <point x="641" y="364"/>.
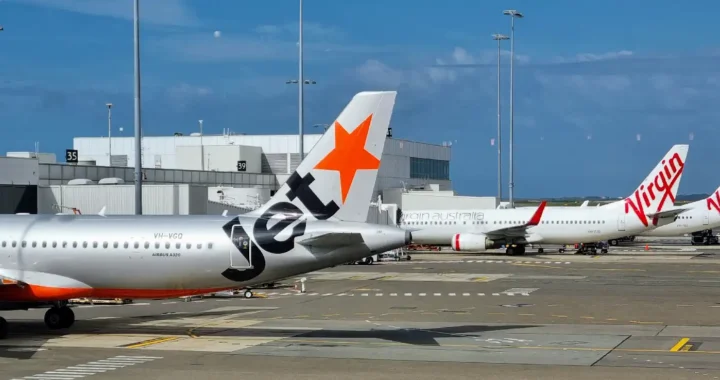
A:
<point x="316" y="220"/>
<point x="700" y="215"/>
<point x="649" y="207"/>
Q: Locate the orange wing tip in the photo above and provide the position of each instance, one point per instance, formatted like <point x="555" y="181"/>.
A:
<point x="535" y="220"/>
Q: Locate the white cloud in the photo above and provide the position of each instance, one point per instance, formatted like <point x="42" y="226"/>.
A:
<point x="377" y="73"/>
<point x="592" y="57"/>
<point x="160" y="12"/>
<point x="311" y="30"/>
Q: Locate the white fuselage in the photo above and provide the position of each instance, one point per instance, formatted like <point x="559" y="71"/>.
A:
<point x="699" y="217"/>
<point x="66" y="256"/>
<point x="560" y="225"/>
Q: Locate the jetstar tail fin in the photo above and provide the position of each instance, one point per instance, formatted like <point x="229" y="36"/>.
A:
<point x="337" y="177"/>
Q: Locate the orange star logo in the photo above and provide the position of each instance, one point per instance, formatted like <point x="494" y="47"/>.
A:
<point x="349" y="155"/>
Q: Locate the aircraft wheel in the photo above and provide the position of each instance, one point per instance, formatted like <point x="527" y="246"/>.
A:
<point x="68" y="316"/>
<point x="613" y="242"/>
<point x="54" y="319"/>
<point x="3" y="328"/>
<point x="540" y="250"/>
<point x="248" y="293"/>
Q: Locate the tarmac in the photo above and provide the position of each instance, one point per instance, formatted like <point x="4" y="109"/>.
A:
<point x="630" y="314"/>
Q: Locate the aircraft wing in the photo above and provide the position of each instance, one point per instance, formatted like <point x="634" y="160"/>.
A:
<point x="519" y="230"/>
<point x="330" y="239"/>
<point x="667" y="213"/>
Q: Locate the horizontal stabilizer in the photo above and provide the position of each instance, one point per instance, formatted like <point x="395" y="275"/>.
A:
<point x="667" y="213"/>
<point x="331" y="239"/>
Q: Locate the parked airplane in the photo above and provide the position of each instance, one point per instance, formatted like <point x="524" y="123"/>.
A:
<point x="700" y="215"/>
<point x="650" y="206"/>
<point x="316" y="220"/>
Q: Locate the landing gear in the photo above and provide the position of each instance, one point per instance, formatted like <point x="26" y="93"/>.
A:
<point x="3" y="328"/>
<point x="248" y="293"/>
<point x="59" y="318"/>
<point x="512" y="250"/>
<point x="541" y="250"/>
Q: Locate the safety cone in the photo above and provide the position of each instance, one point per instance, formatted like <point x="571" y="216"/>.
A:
<point x="647" y="247"/>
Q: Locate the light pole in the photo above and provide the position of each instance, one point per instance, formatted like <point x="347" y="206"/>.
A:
<point x="202" y="147"/>
<point x="109" y="106"/>
<point x="325" y="126"/>
<point x="512" y="13"/>
<point x="138" y="127"/>
<point x="301" y="104"/>
<point x="498" y="38"/>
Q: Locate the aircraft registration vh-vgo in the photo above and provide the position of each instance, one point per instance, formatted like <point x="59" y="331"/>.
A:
<point x="316" y="220"/>
<point x="650" y="206"/>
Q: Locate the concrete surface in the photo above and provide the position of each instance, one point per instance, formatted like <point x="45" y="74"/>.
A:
<point x="623" y="316"/>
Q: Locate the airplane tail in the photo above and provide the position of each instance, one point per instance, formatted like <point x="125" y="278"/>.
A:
<point x="713" y="201"/>
<point x="337" y="177"/>
<point x="657" y="192"/>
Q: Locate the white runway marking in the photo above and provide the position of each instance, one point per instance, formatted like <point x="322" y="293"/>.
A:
<point x="92" y="368"/>
<point x="509" y="292"/>
<point x="476" y="262"/>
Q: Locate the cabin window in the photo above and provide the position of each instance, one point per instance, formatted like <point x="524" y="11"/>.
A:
<point x="199" y="245"/>
<point x="125" y="245"/>
<point x="54" y="244"/>
<point x="209" y="246"/>
<point x="74" y="244"/>
<point x="84" y="244"/>
<point x="157" y="245"/>
<point x="116" y="244"/>
<point x="147" y="245"/>
<point x="95" y="244"/>
<point x="188" y="245"/>
<point x="105" y="244"/>
<point x="64" y="245"/>
<point x="14" y="244"/>
<point x="3" y="244"/>
<point x="167" y="245"/>
<point x="44" y="244"/>
<point x="177" y="245"/>
<point x="34" y="244"/>
<point x="137" y="245"/>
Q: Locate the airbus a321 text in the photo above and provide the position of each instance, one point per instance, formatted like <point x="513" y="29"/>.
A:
<point x="315" y="220"/>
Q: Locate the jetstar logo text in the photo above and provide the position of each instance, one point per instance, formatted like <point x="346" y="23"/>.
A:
<point x="713" y="202"/>
<point x="660" y="187"/>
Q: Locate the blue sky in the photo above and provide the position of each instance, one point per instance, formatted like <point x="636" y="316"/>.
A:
<point x="589" y="78"/>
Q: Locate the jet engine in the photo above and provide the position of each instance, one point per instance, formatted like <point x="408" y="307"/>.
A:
<point x="472" y="242"/>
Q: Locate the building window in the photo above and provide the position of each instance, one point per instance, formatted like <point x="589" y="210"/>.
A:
<point x="426" y="168"/>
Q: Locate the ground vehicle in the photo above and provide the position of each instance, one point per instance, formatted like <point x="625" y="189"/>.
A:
<point x="589" y="248"/>
<point x="621" y="240"/>
<point x="704" y="237"/>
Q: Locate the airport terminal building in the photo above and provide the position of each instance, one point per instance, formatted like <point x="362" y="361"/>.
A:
<point x="194" y="174"/>
<point x="257" y="160"/>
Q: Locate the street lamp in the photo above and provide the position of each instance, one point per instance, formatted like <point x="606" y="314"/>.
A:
<point x="513" y="14"/>
<point x="138" y="127"/>
<point x="325" y="126"/>
<point x="109" y="107"/>
<point x="202" y="147"/>
<point x="498" y="38"/>
<point x="301" y="104"/>
<point x="294" y="81"/>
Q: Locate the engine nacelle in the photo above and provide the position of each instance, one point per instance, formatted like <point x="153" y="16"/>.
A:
<point x="472" y="242"/>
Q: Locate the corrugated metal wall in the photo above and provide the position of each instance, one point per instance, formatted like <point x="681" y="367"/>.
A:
<point x="120" y="199"/>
